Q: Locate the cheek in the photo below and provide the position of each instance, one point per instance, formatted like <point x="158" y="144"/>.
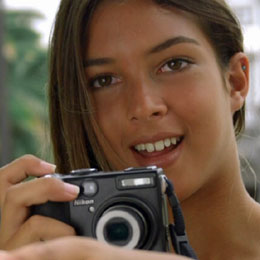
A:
<point x="109" y="115"/>
<point x="194" y="101"/>
<point x="201" y="102"/>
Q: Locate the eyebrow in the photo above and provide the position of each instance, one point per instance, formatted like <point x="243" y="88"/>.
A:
<point x="158" y="48"/>
<point x="97" y="61"/>
<point x="170" y="42"/>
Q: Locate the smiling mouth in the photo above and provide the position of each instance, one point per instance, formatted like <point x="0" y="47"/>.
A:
<point x="159" y="146"/>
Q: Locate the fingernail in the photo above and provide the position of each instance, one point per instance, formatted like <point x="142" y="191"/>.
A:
<point x="48" y="167"/>
<point x="72" y="189"/>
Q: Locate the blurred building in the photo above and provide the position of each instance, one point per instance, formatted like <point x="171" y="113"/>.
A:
<point x="248" y="12"/>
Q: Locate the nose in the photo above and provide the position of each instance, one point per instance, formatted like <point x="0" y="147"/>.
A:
<point x="146" y="102"/>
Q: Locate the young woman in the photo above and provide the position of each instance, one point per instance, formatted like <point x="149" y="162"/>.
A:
<point x="137" y="83"/>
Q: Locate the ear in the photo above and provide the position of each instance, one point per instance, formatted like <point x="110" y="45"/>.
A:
<point x="238" y="78"/>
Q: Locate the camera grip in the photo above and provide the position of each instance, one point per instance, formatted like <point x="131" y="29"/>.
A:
<point x="56" y="210"/>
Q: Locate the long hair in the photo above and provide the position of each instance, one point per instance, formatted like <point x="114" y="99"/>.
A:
<point x="72" y="122"/>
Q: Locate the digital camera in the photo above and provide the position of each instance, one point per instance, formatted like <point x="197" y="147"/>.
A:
<point x="126" y="208"/>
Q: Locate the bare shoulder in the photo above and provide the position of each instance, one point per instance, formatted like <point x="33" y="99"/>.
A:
<point x="254" y="230"/>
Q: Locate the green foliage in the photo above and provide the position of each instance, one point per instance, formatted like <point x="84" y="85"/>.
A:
<point x="26" y="81"/>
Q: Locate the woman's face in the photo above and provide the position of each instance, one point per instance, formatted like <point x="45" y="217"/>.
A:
<point x="158" y="92"/>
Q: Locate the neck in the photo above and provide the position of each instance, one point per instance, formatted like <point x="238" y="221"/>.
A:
<point x="217" y="216"/>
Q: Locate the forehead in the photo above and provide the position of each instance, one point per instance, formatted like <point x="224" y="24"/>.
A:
<point x="118" y="23"/>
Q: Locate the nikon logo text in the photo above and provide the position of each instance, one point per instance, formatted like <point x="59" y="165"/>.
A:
<point x="82" y="202"/>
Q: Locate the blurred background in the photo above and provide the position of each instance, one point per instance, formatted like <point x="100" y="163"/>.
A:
<point x="25" y="27"/>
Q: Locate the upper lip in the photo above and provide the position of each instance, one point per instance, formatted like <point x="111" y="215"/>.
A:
<point x="153" y="139"/>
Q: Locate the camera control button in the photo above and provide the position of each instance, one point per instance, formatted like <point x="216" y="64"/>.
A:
<point x="84" y="171"/>
<point x="89" y="188"/>
<point x="91" y="209"/>
<point x="141" y="169"/>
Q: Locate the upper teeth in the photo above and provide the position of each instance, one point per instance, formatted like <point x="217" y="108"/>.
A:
<point x="157" y="146"/>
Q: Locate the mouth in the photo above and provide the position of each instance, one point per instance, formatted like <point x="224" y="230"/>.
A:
<point x="161" y="153"/>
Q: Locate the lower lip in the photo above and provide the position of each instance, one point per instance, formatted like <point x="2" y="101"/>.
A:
<point x="162" y="159"/>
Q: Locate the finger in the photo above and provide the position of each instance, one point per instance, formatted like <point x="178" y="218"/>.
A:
<point x="19" y="170"/>
<point x="39" y="228"/>
<point x="61" y="249"/>
<point x="27" y="165"/>
<point x="21" y="197"/>
<point x="77" y="248"/>
<point x="6" y="256"/>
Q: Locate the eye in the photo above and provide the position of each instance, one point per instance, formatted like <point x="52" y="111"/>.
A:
<point x="103" y="81"/>
<point x="175" y="65"/>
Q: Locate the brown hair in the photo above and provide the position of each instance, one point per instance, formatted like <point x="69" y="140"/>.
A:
<point x="72" y="122"/>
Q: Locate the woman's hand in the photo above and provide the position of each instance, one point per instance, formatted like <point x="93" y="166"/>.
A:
<point x="18" y="228"/>
<point x="78" y="248"/>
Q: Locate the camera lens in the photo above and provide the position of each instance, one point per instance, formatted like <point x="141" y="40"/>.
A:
<point x="122" y="225"/>
<point x="117" y="230"/>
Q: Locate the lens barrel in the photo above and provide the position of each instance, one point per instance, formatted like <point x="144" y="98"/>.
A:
<point x="122" y="225"/>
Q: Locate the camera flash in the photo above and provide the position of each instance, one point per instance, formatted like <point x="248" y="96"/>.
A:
<point x="147" y="181"/>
